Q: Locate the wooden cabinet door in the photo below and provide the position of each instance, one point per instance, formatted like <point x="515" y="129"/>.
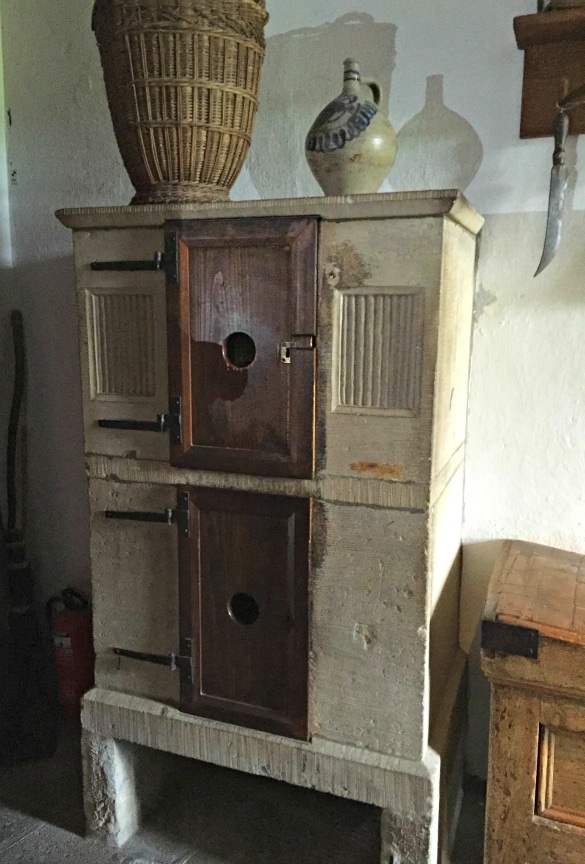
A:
<point x="245" y="288"/>
<point x="244" y="605"/>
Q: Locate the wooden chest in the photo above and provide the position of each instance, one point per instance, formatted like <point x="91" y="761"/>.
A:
<point x="533" y="652"/>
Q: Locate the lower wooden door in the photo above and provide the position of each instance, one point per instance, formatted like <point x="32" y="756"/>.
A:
<point x="244" y="606"/>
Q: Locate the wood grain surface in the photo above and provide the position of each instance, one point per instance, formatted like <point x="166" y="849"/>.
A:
<point x="537" y="586"/>
<point x="554" y="46"/>
<point x="244" y="603"/>
<point x="245" y="287"/>
<point x="511" y="776"/>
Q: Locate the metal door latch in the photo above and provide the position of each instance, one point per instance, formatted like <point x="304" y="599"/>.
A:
<point x="179" y="515"/>
<point x="298" y="342"/>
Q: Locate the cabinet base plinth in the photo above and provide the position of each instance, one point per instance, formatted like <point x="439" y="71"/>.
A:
<point x="407" y="792"/>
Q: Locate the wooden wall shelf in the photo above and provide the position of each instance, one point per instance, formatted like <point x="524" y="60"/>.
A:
<point x="554" y="52"/>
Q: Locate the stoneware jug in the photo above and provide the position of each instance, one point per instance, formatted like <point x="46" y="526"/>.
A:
<point x="351" y="146"/>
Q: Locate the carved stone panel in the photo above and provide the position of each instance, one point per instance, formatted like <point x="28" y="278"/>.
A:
<point x="378" y="361"/>
<point x="121" y="330"/>
<point x="124" y="369"/>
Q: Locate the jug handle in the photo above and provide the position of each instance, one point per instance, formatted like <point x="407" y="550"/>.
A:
<point x="375" y="88"/>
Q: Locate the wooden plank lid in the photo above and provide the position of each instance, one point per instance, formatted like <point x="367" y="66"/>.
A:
<point x="541" y="588"/>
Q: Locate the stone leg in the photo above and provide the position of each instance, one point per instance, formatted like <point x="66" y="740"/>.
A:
<point x="406" y="841"/>
<point x="112" y="807"/>
<point x="410" y="831"/>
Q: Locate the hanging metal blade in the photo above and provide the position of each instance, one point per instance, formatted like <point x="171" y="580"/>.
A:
<point x="557" y="193"/>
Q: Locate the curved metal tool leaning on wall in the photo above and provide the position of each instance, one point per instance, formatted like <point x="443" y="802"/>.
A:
<point x="558" y="178"/>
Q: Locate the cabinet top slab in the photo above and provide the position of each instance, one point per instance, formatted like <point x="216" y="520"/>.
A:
<point x="394" y="205"/>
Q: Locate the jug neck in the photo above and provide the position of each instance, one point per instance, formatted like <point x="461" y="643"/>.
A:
<point x="351" y="77"/>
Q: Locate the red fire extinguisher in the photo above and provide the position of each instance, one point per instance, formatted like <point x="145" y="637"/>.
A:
<point x="71" y="626"/>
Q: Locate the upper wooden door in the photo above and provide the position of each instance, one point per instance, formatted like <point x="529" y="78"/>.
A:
<point x="241" y="338"/>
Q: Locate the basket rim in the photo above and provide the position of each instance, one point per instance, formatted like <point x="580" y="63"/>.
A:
<point x="255" y="4"/>
<point x="256" y="8"/>
<point x="176" y="3"/>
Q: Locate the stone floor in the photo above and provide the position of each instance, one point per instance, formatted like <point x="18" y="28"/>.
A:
<point x="212" y="816"/>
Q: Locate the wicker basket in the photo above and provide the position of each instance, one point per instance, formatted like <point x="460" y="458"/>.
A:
<point x="182" y="80"/>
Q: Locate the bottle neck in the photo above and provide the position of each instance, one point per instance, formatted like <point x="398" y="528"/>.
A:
<point x="434" y="96"/>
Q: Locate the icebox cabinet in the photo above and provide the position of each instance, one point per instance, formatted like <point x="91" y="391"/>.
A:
<point x="274" y="400"/>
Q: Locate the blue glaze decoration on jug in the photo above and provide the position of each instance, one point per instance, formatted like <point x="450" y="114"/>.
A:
<point x="339" y="122"/>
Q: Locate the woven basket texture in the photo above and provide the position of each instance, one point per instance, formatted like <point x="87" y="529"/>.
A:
<point x="182" y="80"/>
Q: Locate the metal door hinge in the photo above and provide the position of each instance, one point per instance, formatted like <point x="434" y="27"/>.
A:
<point x="179" y="515"/>
<point x="298" y="342"/>
<point x="157" y="262"/>
<point x="174" y="420"/>
<point x="171" y="256"/>
<point x="182" y="661"/>
<point x="167" y="261"/>
<point x="499" y="637"/>
<point x="170" y="422"/>
<point x="158" y="425"/>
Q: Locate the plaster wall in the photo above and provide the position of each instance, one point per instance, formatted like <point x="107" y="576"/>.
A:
<point x="525" y="456"/>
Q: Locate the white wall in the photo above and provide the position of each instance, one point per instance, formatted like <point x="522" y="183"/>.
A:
<point x="60" y="152"/>
<point x="526" y="458"/>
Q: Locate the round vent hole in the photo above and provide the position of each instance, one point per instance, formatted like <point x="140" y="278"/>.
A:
<point x="244" y="609"/>
<point x="239" y="350"/>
